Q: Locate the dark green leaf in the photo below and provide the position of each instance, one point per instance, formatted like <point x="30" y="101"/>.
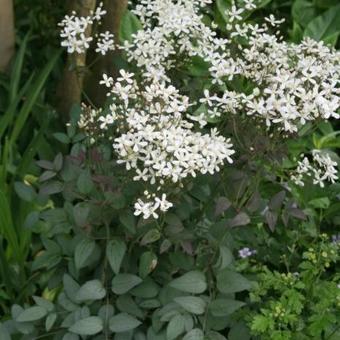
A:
<point x="90" y="291"/>
<point x="303" y="11"/>
<point x="50" y="320"/>
<point x="62" y="137"/>
<point x="85" y="183"/>
<point x="194" y="334"/>
<point x="175" y="327"/>
<point x="25" y="192"/>
<point x="123" y="322"/>
<point x="192" y="304"/>
<point x="31" y="314"/>
<point x="83" y="252"/>
<point x="151" y="236"/>
<point x="122" y="283"/>
<point x="88" y="326"/>
<point x="326" y="26"/>
<point x="229" y="281"/>
<point x="192" y="282"/>
<point x="224" y="307"/>
<point x="130" y="25"/>
<point x="147" y="264"/>
<point x="115" y="252"/>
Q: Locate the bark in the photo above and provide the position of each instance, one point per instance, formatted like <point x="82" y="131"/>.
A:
<point x="7" y="34"/>
<point x="70" y="88"/>
<point x="111" y="22"/>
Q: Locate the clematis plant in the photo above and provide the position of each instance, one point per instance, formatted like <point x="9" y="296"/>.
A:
<point x="164" y="136"/>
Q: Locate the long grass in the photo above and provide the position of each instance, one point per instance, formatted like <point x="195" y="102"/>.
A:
<point x="22" y="97"/>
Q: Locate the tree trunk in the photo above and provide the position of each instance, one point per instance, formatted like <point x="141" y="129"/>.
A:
<point x="7" y="34"/>
<point x="70" y="88"/>
<point x="111" y="22"/>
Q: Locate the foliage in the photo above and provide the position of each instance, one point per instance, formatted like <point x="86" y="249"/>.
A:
<point x="302" y="304"/>
<point x="22" y="138"/>
<point x="109" y="273"/>
<point x="242" y="254"/>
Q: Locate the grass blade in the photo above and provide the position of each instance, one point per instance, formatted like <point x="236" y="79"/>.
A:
<point x="31" y="99"/>
<point x="6" y="119"/>
<point x="7" y="227"/>
<point x="17" y="70"/>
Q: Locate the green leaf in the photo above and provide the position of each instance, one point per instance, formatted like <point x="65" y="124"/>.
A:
<point x="239" y="220"/>
<point x="224" y="307"/>
<point x="192" y="304"/>
<point x="31" y="98"/>
<point x="303" y="12"/>
<point x="194" y="334"/>
<point x="91" y="291"/>
<point x="17" y="69"/>
<point x="25" y="192"/>
<point x="115" y="252"/>
<point x="192" y="282"/>
<point x="215" y="336"/>
<point x="239" y="331"/>
<point x="81" y="213"/>
<point x="50" y="320"/>
<point x="128" y="221"/>
<point x="325" y="26"/>
<point x="85" y="183"/>
<point x="225" y="258"/>
<point x="123" y="322"/>
<point x="62" y="137"/>
<point x="71" y="286"/>
<point x="130" y="24"/>
<point x="151" y="236"/>
<point x="262" y="323"/>
<point x="223" y="6"/>
<point x="70" y="336"/>
<point x="175" y="327"/>
<point x="31" y="314"/>
<point x="326" y="3"/>
<point x="52" y="188"/>
<point x="320" y="203"/>
<point x="4" y="335"/>
<point x="105" y="312"/>
<point x="147" y="264"/>
<point x="88" y="326"/>
<point x="198" y="67"/>
<point x="125" y="303"/>
<point x="147" y="289"/>
<point x="48" y="305"/>
<point x="229" y="281"/>
<point x="122" y="283"/>
<point x="7" y="228"/>
<point x="83" y="252"/>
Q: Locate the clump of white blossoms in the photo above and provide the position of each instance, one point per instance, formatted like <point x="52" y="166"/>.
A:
<point x="320" y="168"/>
<point x="75" y="35"/>
<point x="159" y="130"/>
<point x="156" y="141"/>
<point x="292" y="83"/>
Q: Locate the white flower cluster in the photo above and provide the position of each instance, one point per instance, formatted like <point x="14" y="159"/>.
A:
<point x="322" y="168"/>
<point x="105" y="43"/>
<point x="75" y="35"/>
<point x="292" y="83"/>
<point x="156" y="141"/>
<point x="149" y="208"/>
<point x="287" y="86"/>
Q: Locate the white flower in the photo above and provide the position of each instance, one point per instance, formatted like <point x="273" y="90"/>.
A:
<point x="107" y="81"/>
<point x="234" y="13"/>
<point x="321" y="169"/>
<point x="105" y="43"/>
<point x="249" y="4"/>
